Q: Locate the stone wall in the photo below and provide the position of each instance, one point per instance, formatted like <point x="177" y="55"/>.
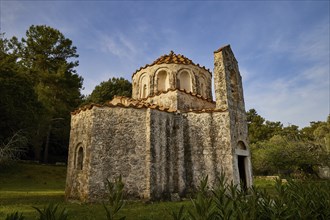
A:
<point x="117" y="146"/>
<point x="157" y="153"/>
<point x="180" y="100"/>
<point x="191" y="102"/>
<point x="77" y="181"/>
<point x="208" y="146"/>
<point x="186" y="147"/>
<point x="167" y="154"/>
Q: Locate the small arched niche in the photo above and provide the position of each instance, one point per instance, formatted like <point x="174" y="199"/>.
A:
<point x="184" y="81"/>
<point x="79" y="157"/>
<point x="144" y="92"/>
<point x="162" y="81"/>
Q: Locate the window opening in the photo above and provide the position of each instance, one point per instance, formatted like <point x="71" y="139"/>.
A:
<point x="80" y="158"/>
<point x="185" y="81"/>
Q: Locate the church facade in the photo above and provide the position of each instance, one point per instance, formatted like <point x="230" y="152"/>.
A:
<point x="165" y="138"/>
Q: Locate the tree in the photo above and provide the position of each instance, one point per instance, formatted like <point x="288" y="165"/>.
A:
<point x="259" y="128"/>
<point x="19" y="106"/>
<point x="277" y="149"/>
<point x="48" y="59"/>
<point x="108" y="89"/>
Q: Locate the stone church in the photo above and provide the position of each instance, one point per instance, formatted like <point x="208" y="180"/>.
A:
<point x="166" y="137"/>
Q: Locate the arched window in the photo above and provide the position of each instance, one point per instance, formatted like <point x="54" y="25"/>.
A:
<point x="79" y="158"/>
<point x="143" y="86"/>
<point x="184" y="81"/>
<point x="162" y="81"/>
<point x="241" y="145"/>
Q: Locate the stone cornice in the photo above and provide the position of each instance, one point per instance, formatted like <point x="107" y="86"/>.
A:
<point x="181" y="90"/>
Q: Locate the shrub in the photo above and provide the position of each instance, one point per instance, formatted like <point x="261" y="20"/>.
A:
<point x="50" y="213"/>
<point x="12" y="148"/>
<point x="116" y="198"/>
<point x="15" y="216"/>
<point x="293" y="200"/>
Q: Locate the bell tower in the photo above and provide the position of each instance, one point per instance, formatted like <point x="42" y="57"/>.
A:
<point x="227" y="80"/>
<point x="229" y="98"/>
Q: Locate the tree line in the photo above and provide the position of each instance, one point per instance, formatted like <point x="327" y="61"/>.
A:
<point x="39" y="87"/>
<point x="277" y="149"/>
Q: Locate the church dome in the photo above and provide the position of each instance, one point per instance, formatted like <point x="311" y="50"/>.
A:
<point x="170" y="72"/>
<point x="172" y="58"/>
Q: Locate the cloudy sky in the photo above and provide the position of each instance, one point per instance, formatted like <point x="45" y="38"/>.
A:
<point x="282" y="46"/>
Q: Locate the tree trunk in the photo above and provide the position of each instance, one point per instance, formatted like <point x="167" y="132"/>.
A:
<point x="47" y="143"/>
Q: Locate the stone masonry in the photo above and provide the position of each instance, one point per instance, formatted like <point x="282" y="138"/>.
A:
<point x="166" y="137"/>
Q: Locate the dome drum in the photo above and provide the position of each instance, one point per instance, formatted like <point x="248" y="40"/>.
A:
<point x="171" y="72"/>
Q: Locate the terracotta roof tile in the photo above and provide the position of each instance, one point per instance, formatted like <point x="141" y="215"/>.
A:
<point x="124" y="102"/>
<point x="172" y="58"/>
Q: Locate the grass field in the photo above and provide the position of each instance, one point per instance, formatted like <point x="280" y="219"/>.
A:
<point x="27" y="185"/>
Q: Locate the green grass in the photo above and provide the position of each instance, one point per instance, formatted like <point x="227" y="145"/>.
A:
<point x="25" y="185"/>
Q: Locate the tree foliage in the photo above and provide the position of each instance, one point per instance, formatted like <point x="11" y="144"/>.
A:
<point x="288" y="150"/>
<point x="19" y="106"/>
<point x="108" y="89"/>
<point x="293" y="200"/>
<point x="39" y="87"/>
<point x="259" y="128"/>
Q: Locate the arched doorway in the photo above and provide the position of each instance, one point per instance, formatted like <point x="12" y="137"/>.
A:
<point x="242" y="171"/>
<point x="242" y="164"/>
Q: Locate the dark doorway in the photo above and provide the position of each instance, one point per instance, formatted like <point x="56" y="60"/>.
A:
<point x="241" y="170"/>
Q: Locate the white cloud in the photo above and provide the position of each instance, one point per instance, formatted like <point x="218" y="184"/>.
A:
<point x="310" y="44"/>
<point x="117" y="44"/>
<point x="298" y="100"/>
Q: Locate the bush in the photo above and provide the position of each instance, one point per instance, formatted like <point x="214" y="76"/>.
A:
<point x="13" y="148"/>
<point x="50" y="213"/>
<point x="282" y="155"/>
<point x="294" y="200"/>
<point x="15" y="216"/>
<point x="116" y="198"/>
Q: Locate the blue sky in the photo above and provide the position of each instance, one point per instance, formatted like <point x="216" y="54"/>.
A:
<point x="282" y="46"/>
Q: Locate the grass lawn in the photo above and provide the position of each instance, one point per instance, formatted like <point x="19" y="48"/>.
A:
<point x="27" y="185"/>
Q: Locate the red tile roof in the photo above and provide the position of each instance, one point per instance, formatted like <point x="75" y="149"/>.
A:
<point x="172" y="58"/>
